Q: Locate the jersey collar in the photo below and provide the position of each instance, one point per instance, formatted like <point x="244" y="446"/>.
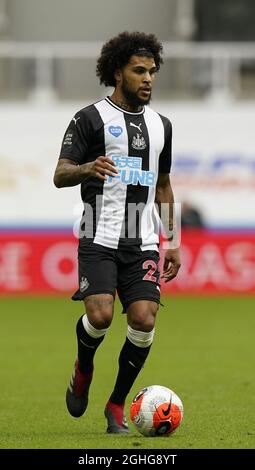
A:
<point x="108" y="99"/>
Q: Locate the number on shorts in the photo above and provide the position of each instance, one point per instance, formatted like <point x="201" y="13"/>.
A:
<point x="152" y="266"/>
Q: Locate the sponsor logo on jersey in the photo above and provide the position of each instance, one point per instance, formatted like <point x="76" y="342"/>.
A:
<point x="130" y="171"/>
<point x="138" y="142"/>
<point x="116" y="131"/>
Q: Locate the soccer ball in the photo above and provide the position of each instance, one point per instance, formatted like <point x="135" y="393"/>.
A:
<point x="156" y="411"/>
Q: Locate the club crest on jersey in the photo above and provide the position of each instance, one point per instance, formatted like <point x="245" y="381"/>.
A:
<point x="84" y="284"/>
<point x="138" y="142"/>
<point x="116" y="131"/>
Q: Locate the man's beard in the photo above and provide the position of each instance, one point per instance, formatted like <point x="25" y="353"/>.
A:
<point x="132" y="97"/>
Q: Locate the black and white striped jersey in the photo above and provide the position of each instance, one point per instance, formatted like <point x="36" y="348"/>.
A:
<point x="120" y="211"/>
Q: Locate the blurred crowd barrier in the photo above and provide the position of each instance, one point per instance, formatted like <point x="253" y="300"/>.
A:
<point x="47" y="71"/>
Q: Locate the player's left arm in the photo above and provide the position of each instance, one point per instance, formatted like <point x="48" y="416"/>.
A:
<point x="164" y="195"/>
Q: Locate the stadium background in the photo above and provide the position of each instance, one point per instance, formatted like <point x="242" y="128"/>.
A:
<point x="206" y="87"/>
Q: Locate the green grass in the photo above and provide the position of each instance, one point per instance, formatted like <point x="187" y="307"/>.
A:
<point x="203" y="349"/>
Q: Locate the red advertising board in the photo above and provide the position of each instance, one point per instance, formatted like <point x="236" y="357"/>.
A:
<point x="45" y="262"/>
<point x="216" y="262"/>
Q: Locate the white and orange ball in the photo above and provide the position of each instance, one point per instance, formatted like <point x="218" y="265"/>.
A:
<point x="156" y="411"/>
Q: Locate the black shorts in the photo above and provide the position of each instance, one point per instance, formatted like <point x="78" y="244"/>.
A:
<point x="132" y="272"/>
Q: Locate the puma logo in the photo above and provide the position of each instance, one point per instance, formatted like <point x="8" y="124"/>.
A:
<point x="75" y="120"/>
<point x="138" y="127"/>
<point x="132" y="364"/>
<point x="87" y="345"/>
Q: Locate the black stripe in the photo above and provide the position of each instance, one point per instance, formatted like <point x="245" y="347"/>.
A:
<point x="165" y="157"/>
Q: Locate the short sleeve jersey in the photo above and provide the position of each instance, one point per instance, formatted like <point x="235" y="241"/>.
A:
<point x="121" y="210"/>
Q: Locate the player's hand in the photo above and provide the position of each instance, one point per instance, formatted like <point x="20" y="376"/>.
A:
<point x="101" y="168"/>
<point x="172" y="264"/>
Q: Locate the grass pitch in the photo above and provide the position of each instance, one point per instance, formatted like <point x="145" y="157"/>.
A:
<point x="203" y="349"/>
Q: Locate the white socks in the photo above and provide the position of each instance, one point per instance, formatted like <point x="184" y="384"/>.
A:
<point x="93" y="332"/>
<point x="142" y="339"/>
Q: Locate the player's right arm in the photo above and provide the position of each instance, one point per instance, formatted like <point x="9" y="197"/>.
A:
<point x="73" y="166"/>
<point x="69" y="173"/>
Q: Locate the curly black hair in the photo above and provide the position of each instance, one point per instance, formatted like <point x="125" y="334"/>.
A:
<point x="116" y="53"/>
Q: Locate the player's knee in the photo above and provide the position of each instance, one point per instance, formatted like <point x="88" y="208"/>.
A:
<point x="143" y="324"/>
<point x="143" y="318"/>
<point x="99" y="311"/>
<point x="100" y="319"/>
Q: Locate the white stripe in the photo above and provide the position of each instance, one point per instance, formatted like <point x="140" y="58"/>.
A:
<point x="114" y="193"/>
<point x="150" y="217"/>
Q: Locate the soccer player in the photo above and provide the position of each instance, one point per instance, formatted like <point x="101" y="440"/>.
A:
<point x="119" y="150"/>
